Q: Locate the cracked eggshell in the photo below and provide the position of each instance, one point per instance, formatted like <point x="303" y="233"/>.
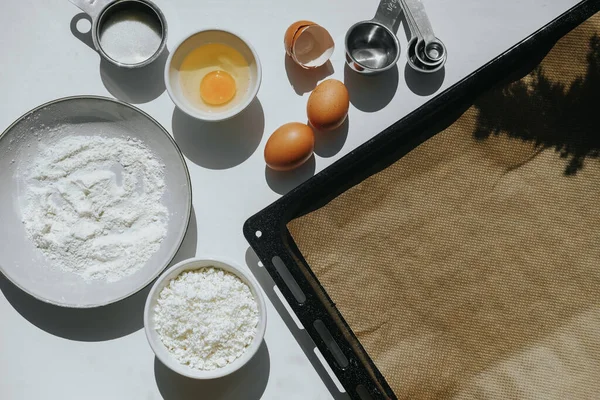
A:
<point x="309" y="44"/>
<point x="291" y="33"/>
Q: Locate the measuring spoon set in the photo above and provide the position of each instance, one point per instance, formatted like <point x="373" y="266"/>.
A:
<point x="373" y="47"/>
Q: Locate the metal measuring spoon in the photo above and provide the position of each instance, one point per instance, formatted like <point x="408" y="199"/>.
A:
<point x="372" y="46"/>
<point x="416" y="38"/>
<point x="427" y="47"/>
<point x="413" y="61"/>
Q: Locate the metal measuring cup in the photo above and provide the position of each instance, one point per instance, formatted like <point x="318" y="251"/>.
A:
<point x="372" y="46"/>
<point x="426" y="53"/>
<point x="126" y="33"/>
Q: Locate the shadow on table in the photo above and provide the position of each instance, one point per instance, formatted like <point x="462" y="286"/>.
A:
<point x="303" y="339"/>
<point x="247" y="383"/>
<point x="328" y="144"/>
<point x="92" y="324"/>
<point x="423" y="84"/>
<point x="371" y="93"/>
<point x="135" y="86"/>
<point x="220" y="145"/>
<point x="305" y="80"/>
<point x="282" y="182"/>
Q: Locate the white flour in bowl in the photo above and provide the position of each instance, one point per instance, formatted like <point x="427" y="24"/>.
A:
<point x="206" y="317"/>
<point x="93" y="205"/>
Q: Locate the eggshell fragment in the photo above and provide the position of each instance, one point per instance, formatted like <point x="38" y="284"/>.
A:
<point x="308" y="44"/>
<point x="292" y="32"/>
<point x="290" y="146"/>
<point x="328" y="105"/>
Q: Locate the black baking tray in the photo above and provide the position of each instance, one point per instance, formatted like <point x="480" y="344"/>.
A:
<point x="269" y="237"/>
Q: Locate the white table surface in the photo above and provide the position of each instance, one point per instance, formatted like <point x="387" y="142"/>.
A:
<point x="52" y="353"/>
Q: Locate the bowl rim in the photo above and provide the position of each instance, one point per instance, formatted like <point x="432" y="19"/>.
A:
<point x="216" y="116"/>
<point x="163" y="354"/>
<point x="188" y="210"/>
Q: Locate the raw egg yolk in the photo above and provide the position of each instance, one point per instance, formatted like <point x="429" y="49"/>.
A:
<point x="217" y="87"/>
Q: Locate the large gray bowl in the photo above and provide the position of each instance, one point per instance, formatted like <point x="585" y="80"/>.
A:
<point x="21" y="261"/>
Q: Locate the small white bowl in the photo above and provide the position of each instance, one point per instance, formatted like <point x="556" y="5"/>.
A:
<point x="193" y="42"/>
<point x="165" y="356"/>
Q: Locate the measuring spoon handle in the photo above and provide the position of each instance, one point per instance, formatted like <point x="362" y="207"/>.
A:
<point x="91" y="7"/>
<point x="388" y="13"/>
<point x="419" y="16"/>
<point x="414" y="31"/>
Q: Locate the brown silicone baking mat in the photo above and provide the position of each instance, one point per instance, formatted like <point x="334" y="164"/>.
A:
<point x="470" y="268"/>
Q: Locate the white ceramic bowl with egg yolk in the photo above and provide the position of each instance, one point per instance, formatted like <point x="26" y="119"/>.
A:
<point x="192" y="42"/>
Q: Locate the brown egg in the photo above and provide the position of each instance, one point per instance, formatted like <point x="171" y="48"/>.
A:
<point x="328" y="105"/>
<point x="290" y="146"/>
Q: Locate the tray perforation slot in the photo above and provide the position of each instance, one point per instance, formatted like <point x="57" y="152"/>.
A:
<point x="363" y="392"/>
<point x="288" y="279"/>
<point x="334" y="348"/>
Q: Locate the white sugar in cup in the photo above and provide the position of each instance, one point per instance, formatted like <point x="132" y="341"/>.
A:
<point x="126" y="33"/>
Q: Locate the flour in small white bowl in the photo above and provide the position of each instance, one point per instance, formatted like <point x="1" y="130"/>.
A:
<point x="206" y="317"/>
<point x="93" y="205"/>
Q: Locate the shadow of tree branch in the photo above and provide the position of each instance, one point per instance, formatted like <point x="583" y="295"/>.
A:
<point x="542" y="110"/>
